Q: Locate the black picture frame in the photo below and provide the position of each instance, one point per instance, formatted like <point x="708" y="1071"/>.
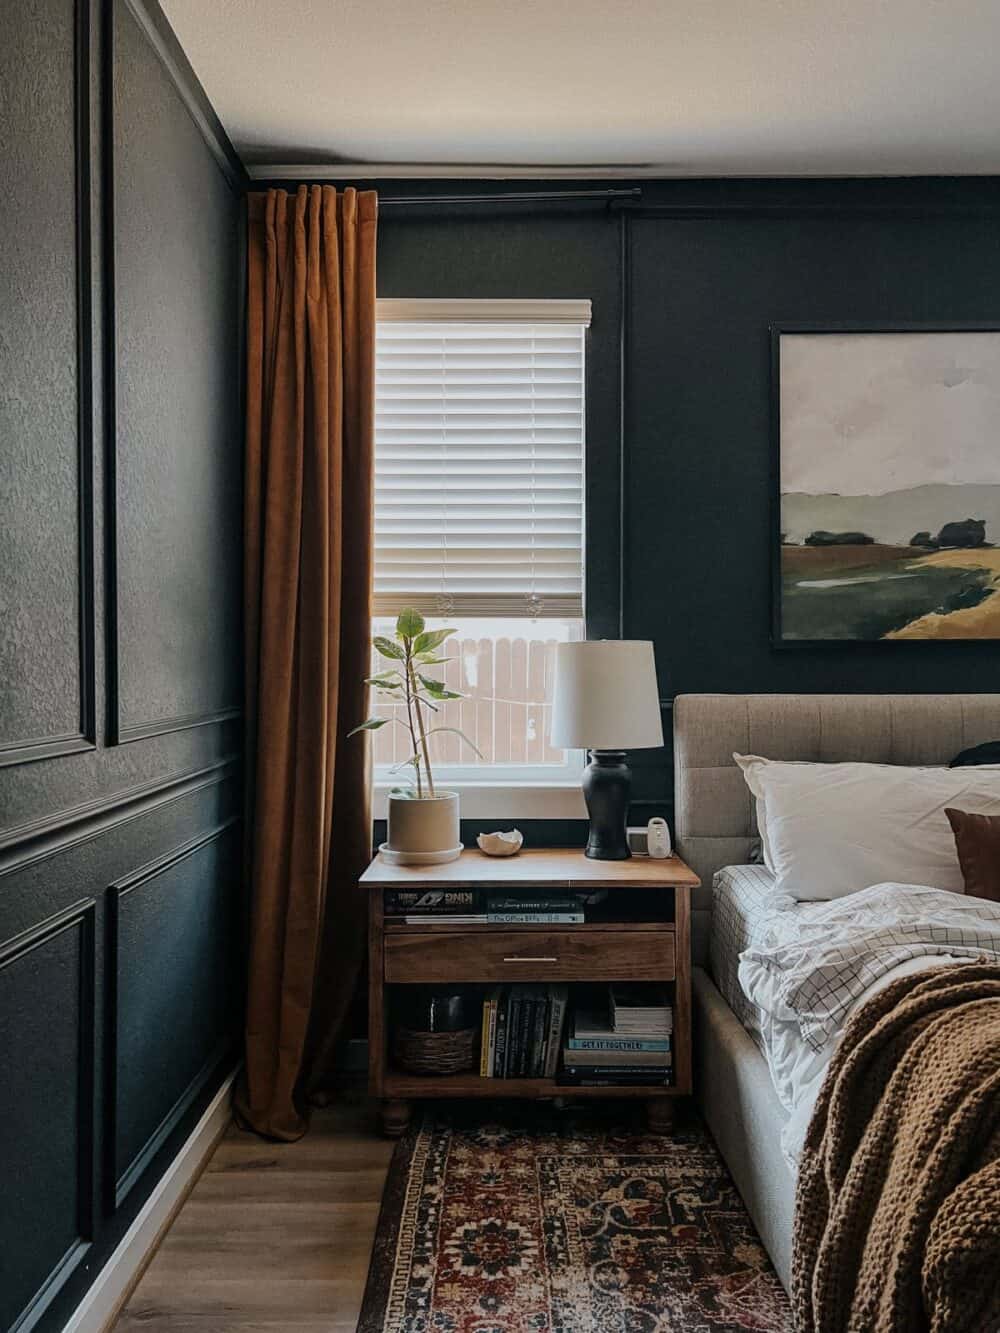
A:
<point x="776" y="330"/>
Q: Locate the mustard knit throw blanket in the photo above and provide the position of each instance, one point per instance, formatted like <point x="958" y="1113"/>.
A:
<point x="897" y="1210"/>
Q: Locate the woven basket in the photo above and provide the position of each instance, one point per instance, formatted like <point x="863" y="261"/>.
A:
<point x="435" y="1052"/>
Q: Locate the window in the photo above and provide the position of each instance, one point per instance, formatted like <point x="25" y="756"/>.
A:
<point x="479" y="520"/>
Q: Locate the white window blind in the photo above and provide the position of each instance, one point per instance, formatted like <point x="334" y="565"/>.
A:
<point x="479" y="457"/>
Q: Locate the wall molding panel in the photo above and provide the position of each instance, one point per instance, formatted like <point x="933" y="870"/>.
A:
<point x="121" y="1185"/>
<point x="163" y="726"/>
<point x="121" y="1178"/>
<point x="170" y="59"/>
<point x="84" y="738"/>
<point x="24" y="846"/>
<point x="80" y="918"/>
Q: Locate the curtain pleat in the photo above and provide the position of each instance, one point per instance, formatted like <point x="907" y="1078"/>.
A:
<point x="308" y="496"/>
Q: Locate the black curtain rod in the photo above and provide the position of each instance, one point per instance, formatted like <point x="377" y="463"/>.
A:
<point x="510" y="197"/>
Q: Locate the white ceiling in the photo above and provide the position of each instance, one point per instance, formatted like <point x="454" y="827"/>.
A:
<point x="658" y="87"/>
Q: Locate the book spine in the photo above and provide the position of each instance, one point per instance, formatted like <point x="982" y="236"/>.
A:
<point x="441" y="909"/>
<point x="500" y="1054"/>
<point x="557" y="1013"/>
<point x="529" y="1032"/>
<point x="400" y="901"/>
<point x="484" y="1041"/>
<point x="618" y="1044"/>
<point x="565" y="1080"/>
<point x="532" y="905"/>
<point x="653" y="1072"/>
<point x="513" y="1021"/>
<point x="442" y="918"/>
<point x="543" y="1055"/>
<point x="514" y="1059"/>
<point x="535" y="918"/>
<point x="538" y="1036"/>
<point x="523" y="1036"/>
<point x="492" y="1039"/>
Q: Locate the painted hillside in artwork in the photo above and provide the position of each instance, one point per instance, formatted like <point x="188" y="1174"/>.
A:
<point x="889" y="466"/>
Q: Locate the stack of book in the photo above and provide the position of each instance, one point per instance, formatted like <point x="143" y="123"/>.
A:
<point x="481" y="906"/>
<point x="522" y="1031"/>
<point x="560" y="909"/>
<point x="639" y="1010"/>
<point x="628" y="1043"/>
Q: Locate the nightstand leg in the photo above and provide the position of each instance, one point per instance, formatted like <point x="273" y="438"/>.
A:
<point x="395" y="1118"/>
<point x="660" y="1115"/>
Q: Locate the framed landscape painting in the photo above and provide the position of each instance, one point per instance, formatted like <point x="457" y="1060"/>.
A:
<point x="886" y="483"/>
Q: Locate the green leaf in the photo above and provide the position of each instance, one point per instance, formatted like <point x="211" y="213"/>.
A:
<point x="432" y="638"/>
<point x="455" y="732"/>
<point x="428" y="659"/>
<point x="387" y="648"/>
<point x="386" y="680"/>
<point x="409" y="623"/>
<point x="372" y="724"/>
<point x="437" y="688"/>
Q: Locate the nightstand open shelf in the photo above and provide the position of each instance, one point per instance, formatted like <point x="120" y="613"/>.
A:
<point x="647" y="945"/>
<point x="398" y="1084"/>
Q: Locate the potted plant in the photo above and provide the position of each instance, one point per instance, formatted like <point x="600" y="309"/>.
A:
<point x="423" y="821"/>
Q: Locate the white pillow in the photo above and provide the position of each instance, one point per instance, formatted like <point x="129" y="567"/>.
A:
<point x="832" y="829"/>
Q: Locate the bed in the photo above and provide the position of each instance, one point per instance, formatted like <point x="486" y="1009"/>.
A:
<point x="716" y="828"/>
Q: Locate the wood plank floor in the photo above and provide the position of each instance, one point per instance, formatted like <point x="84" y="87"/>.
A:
<point x="274" y="1238"/>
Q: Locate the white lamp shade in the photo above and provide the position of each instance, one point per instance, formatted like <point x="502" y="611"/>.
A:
<point x="605" y="696"/>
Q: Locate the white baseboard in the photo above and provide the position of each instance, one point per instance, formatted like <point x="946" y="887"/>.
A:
<point x="113" y="1284"/>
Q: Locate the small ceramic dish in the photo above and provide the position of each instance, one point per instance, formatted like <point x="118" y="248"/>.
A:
<point x="501" y="844"/>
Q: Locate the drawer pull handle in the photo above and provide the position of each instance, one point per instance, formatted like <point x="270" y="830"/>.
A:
<point x="520" y="958"/>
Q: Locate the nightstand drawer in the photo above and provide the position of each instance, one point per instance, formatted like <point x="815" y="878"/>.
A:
<point x="530" y="955"/>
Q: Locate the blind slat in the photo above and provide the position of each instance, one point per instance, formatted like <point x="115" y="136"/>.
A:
<point x="479" y="456"/>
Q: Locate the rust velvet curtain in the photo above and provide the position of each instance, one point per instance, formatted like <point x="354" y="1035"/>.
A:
<point x="308" y="540"/>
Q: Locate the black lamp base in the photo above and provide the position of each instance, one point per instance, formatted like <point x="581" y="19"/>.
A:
<point x="607" y="782"/>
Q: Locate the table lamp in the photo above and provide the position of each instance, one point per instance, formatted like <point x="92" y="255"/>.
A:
<point x="605" y="700"/>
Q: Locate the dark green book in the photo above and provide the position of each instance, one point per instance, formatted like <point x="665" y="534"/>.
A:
<point x="539" y="1013"/>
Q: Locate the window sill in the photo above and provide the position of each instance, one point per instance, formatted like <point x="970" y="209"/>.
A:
<point x="504" y="800"/>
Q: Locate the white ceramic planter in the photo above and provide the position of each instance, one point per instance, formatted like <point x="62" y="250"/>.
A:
<point x="423" y="831"/>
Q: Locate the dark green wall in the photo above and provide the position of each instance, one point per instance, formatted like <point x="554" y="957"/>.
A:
<point x="709" y="265"/>
<point x="120" y="735"/>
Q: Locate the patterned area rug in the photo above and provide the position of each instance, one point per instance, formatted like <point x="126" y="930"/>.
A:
<point x="523" y="1219"/>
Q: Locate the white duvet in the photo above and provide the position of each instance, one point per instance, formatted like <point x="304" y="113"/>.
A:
<point x="812" y="964"/>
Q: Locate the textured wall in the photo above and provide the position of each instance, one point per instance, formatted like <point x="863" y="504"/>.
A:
<point x="43" y="457"/>
<point x="120" y="737"/>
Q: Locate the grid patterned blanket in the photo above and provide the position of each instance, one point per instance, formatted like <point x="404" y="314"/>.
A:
<point x="811" y="965"/>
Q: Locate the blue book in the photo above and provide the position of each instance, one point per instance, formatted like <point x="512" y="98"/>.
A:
<point x="619" y="1043"/>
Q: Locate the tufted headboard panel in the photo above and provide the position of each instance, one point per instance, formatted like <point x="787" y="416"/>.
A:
<point x="714" y="816"/>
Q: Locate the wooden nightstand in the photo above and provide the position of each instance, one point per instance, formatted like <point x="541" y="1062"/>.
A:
<point x="642" y="933"/>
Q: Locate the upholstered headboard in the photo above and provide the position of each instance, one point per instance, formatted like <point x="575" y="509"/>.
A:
<point x="714" y="816"/>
